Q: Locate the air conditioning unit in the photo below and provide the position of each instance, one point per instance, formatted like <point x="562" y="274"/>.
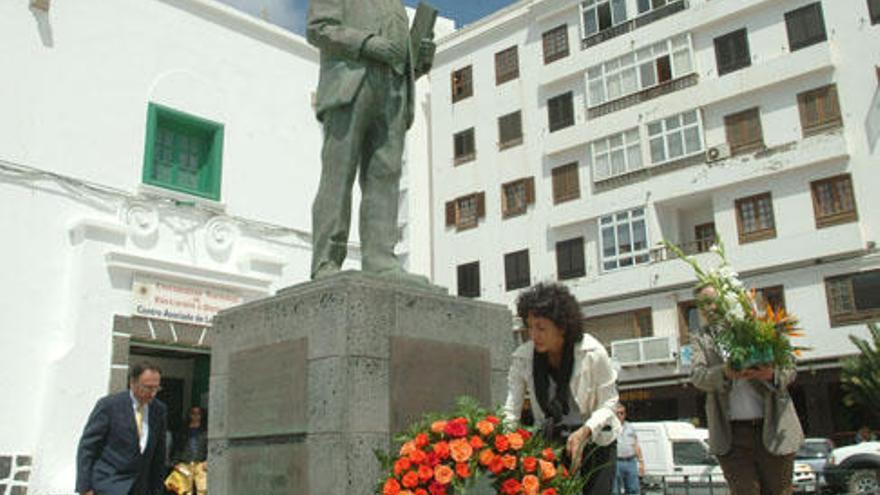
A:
<point x="718" y="152"/>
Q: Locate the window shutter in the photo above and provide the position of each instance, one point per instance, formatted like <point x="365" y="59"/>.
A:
<point x="503" y="200"/>
<point x="530" y="190"/>
<point x="481" y="204"/>
<point x="450" y="213"/>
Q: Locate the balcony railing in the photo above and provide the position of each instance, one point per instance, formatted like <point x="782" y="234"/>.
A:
<point x="634" y="23"/>
<point x="646" y="350"/>
<point x="642" y="96"/>
<point x="662" y="253"/>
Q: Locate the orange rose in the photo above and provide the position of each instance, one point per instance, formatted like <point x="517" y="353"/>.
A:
<point x="463" y="470"/>
<point x="477" y="442"/>
<point x="530" y="484"/>
<point x="485" y="428"/>
<point x="425" y="473"/>
<point x="407" y="447"/>
<point x="515" y="440"/>
<point x="392" y="487"/>
<point x="486" y="457"/>
<point x="437" y="426"/>
<point x="421" y="440"/>
<point x="548" y="470"/>
<point x="461" y="450"/>
<point x="443" y="474"/>
<point x="418" y="457"/>
<point x="441" y="449"/>
<point x="410" y="479"/>
<point x="509" y="461"/>
<point x="401" y="466"/>
<point x="405" y="492"/>
<point x="529" y="464"/>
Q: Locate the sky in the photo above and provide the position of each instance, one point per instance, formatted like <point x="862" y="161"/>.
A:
<point x="291" y="14"/>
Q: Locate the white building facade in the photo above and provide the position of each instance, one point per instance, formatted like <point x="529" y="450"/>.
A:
<point x="570" y="138"/>
<point x="158" y="160"/>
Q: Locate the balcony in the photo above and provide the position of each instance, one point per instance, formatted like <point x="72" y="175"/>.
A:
<point x="647" y="350"/>
<point x="634" y="23"/>
<point x="642" y="96"/>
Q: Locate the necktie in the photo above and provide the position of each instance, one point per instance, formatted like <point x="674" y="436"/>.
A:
<point x="139" y="419"/>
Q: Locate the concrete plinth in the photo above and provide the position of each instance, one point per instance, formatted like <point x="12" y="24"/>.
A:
<point x="304" y="385"/>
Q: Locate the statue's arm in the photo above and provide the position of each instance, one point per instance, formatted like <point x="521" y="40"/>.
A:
<point x="326" y="30"/>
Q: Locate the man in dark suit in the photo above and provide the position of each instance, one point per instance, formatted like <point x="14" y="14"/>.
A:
<point x="365" y="101"/>
<point x="122" y="449"/>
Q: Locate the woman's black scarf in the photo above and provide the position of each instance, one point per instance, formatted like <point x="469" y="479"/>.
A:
<point x="555" y="408"/>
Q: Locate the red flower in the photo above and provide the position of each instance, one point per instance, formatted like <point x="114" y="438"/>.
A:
<point x="529" y="464"/>
<point x="418" y="457"/>
<point x="401" y="465"/>
<point x="525" y="434"/>
<point x="463" y="470"/>
<point x="456" y="429"/>
<point x="496" y="465"/>
<point x="392" y="487"/>
<point x="477" y="442"/>
<point x="501" y="443"/>
<point x="421" y="440"/>
<point x="549" y="491"/>
<point x="492" y="419"/>
<point x="548" y="454"/>
<point x="425" y="473"/>
<point x="437" y="489"/>
<point x="442" y="450"/>
<point x="422" y="491"/>
<point x="410" y="479"/>
<point x="511" y="487"/>
<point x="433" y="459"/>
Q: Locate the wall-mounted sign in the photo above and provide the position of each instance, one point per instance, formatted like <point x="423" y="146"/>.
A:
<point x="175" y="301"/>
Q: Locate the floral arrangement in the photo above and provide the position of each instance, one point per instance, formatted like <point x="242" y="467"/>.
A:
<point x="745" y="335"/>
<point x="446" y="454"/>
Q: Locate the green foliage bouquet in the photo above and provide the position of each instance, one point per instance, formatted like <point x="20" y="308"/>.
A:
<point x="745" y="335"/>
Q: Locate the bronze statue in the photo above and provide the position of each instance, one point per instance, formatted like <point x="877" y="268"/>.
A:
<point x="365" y="102"/>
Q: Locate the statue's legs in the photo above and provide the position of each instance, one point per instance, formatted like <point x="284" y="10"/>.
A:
<point x="380" y="172"/>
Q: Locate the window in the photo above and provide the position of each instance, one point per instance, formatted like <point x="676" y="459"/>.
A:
<point x="462" y="84"/>
<point x="690" y="321"/>
<point x="599" y="15"/>
<point x="465" y="149"/>
<point x="506" y="65"/>
<point x="874" y="9"/>
<point x="744" y="132"/>
<point x="516" y="270"/>
<point x="624" y="239"/>
<point x="560" y="111"/>
<point x="566" y="183"/>
<point x="833" y="201"/>
<point x="646" y="5"/>
<point x="510" y="130"/>
<point x="570" y="259"/>
<point x="469" y="279"/>
<point x="620" y="326"/>
<point x="732" y="52"/>
<point x="704" y="236"/>
<point x="464" y="212"/>
<point x="773" y="296"/>
<point x="675" y="137"/>
<point x="819" y="109"/>
<point x="691" y="453"/>
<point x="516" y="196"/>
<point x="616" y="155"/>
<point x="805" y="26"/>
<point x="183" y="153"/>
<point x="853" y="298"/>
<point x="639" y="70"/>
<point x="555" y="44"/>
<point x="754" y="218"/>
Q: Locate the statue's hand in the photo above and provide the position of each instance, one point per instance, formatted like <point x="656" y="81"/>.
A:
<point x="379" y="49"/>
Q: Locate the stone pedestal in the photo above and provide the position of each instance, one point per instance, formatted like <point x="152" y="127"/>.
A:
<point x="304" y="385"/>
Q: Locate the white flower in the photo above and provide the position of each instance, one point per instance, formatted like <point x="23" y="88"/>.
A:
<point x="728" y="272"/>
<point x="715" y="248"/>
<point x="735" y="283"/>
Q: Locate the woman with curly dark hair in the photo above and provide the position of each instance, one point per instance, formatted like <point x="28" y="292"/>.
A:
<point x="571" y="383"/>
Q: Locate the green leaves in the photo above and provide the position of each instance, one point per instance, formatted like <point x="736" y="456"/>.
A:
<point x="861" y="374"/>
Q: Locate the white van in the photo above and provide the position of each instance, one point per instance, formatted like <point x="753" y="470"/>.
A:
<point x="677" y="459"/>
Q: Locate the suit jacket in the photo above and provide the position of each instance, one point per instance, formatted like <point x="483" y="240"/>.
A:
<point x="339" y="28"/>
<point x="109" y="460"/>
<point x="593" y="387"/>
<point x="782" y="433"/>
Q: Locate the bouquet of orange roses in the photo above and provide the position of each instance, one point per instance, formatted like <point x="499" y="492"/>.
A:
<point x="446" y="454"/>
<point x="746" y="335"/>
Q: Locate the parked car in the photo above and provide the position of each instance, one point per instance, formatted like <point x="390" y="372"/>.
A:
<point x="815" y="452"/>
<point x="854" y="468"/>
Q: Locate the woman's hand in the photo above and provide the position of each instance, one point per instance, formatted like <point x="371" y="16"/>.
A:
<point x="576" y="439"/>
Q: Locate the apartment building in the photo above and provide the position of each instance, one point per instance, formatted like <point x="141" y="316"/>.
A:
<point x="569" y="138"/>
